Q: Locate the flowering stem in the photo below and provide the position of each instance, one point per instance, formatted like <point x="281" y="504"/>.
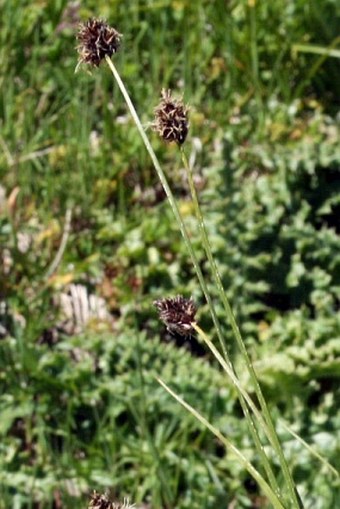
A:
<point x="272" y="435"/>
<point x="185" y="235"/>
<point x="244" y="400"/>
<point x="172" y="203"/>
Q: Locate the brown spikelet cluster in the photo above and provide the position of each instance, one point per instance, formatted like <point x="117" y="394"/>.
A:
<point x="103" y="502"/>
<point x="178" y="314"/>
<point x="171" y="119"/>
<point x="96" y="41"/>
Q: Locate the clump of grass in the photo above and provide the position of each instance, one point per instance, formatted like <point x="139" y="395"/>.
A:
<point x="98" y="41"/>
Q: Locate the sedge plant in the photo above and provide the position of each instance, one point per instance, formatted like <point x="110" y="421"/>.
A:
<point x="98" y="42"/>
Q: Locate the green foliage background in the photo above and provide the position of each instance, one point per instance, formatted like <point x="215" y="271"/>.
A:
<point x="83" y="411"/>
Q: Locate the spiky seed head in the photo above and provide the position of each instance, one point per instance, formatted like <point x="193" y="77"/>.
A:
<point x="171" y="118"/>
<point x="178" y="314"/>
<point x="100" y="501"/>
<point x="103" y="502"/>
<point x="96" y="41"/>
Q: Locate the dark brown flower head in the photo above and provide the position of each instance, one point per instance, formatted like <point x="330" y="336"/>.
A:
<point x="103" y="502"/>
<point x="178" y="314"/>
<point x="100" y="502"/>
<point x="171" y="119"/>
<point x="96" y="40"/>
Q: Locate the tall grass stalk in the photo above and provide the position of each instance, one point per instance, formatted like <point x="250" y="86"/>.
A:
<point x="231" y="374"/>
<point x="202" y="282"/>
<point x="245" y="400"/>
<point x="272" y="434"/>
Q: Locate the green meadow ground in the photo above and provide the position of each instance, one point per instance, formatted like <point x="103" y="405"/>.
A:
<point x="88" y="242"/>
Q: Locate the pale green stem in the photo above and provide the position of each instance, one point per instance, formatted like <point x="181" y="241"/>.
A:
<point x="267" y="490"/>
<point x="179" y="219"/>
<point x="244" y="400"/>
<point x="172" y="202"/>
<point x="187" y="241"/>
<point x="237" y="334"/>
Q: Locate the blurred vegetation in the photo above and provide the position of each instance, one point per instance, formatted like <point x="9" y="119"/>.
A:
<point x="80" y="408"/>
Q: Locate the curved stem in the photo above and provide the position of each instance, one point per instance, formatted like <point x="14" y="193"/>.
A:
<point x="178" y="218"/>
<point x="172" y="203"/>
<point x="244" y="399"/>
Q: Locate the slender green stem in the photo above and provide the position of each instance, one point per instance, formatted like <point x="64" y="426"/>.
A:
<point x="179" y="219"/>
<point x="231" y="318"/>
<point x="172" y="203"/>
<point x="244" y="399"/>
<point x="272" y="496"/>
<point x="184" y="233"/>
<point x="187" y="241"/>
